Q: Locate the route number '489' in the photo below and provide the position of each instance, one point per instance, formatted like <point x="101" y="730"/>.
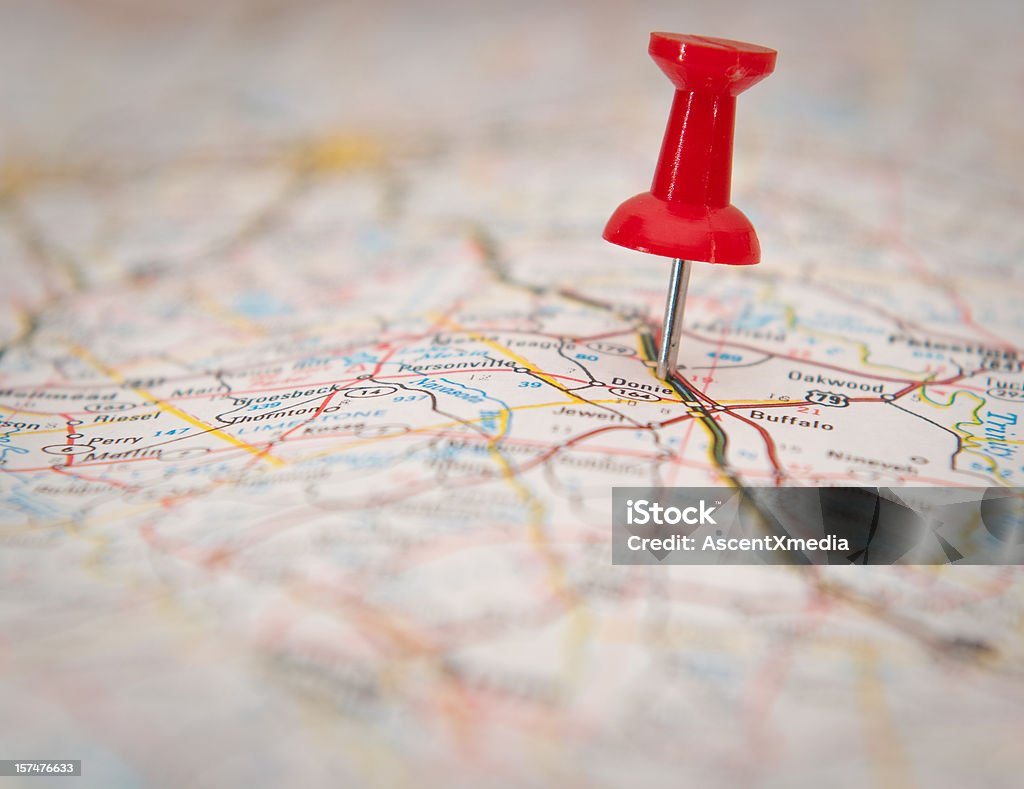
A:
<point x="830" y="399"/>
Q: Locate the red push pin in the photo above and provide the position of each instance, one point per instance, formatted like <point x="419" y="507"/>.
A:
<point x="687" y="215"/>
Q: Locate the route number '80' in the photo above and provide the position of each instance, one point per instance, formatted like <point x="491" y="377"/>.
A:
<point x="830" y="399"/>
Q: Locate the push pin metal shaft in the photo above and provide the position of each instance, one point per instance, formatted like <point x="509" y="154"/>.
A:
<point x="675" y="304"/>
<point x="687" y="214"/>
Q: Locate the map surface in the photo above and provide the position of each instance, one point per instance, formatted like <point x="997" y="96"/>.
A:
<point x="316" y="378"/>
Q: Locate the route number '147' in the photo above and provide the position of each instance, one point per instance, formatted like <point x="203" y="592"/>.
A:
<point x="828" y="398"/>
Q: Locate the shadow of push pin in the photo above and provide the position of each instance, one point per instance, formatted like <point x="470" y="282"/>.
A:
<point x="687" y="215"/>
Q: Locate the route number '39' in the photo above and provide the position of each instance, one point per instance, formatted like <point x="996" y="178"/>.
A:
<point x="830" y="399"/>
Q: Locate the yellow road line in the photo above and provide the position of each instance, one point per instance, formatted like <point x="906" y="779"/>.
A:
<point x="436" y="426"/>
<point x="864" y="351"/>
<point x="443" y="321"/>
<point x="711" y="451"/>
<point x="889" y="761"/>
<point x="115" y="376"/>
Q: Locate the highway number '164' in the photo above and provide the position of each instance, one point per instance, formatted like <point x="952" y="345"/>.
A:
<point x="828" y="398"/>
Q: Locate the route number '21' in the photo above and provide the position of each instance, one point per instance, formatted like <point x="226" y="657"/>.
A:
<point x="830" y="399"/>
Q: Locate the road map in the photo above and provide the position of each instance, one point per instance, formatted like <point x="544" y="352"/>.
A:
<point x="316" y="377"/>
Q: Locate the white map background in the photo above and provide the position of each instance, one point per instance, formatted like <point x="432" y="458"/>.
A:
<point x="316" y="376"/>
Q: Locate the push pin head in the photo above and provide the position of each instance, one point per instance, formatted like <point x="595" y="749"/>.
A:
<point x="687" y="214"/>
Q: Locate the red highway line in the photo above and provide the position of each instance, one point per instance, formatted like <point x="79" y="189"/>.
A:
<point x="115" y="483"/>
<point x="812" y="362"/>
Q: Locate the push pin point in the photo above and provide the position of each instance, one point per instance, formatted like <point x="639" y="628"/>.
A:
<point x="687" y="215"/>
